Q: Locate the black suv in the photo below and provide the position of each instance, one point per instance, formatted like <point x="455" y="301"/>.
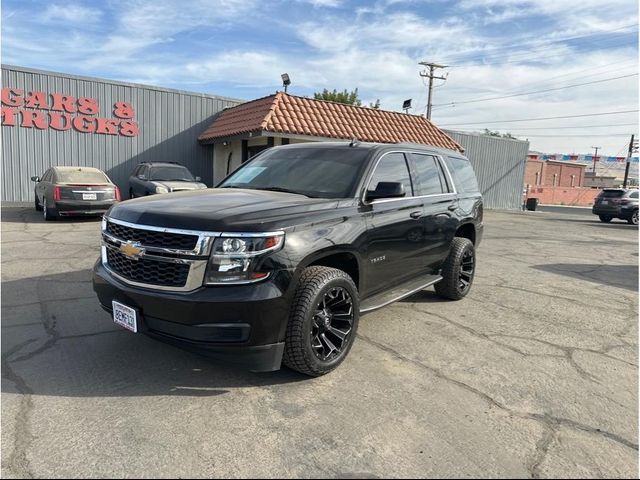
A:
<point x="277" y="263"/>
<point x="617" y="203"/>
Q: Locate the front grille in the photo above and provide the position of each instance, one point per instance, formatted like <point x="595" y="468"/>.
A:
<point x="148" y="271"/>
<point x="151" y="238"/>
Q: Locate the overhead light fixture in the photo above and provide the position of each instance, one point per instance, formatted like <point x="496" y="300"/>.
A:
<point x="406" y="105"/>
<point x="286" y="81"/>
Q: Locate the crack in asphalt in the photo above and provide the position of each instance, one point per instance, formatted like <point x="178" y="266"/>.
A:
<point x="551" y="423"/>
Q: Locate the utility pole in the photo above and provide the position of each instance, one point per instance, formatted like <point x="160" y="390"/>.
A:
<point x="595" y="158"/>
<point x="431" y="75"/>
<point x="633" y="147"/>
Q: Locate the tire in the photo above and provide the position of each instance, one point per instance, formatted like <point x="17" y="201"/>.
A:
<point x="633" y="219"/>
<point x="605" y="218"/>
<point x="458" y="270"/>
<point x="309" y="338"/>
<point x="131" y="194"/>
<point x="37" y="205"/>
<point x="48" y="214"/>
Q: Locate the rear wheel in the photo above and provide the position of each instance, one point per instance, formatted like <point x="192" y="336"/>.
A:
<point x="458" y="270"/>
<point x="47" y="213"/>
<point x="605" y="218"/>
<point x="323" y="321"/>
<point x="633" y="220"/>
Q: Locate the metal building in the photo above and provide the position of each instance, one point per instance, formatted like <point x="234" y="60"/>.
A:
<point x="499" y="164"/>
<point x="57" y="119"/>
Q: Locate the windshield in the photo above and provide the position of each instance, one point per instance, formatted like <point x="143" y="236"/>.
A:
<point x="314" y="172"/>
<point x="81" y="176"/>
<point x="177" y="173"/>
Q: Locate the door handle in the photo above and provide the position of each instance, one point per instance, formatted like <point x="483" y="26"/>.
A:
<point x="415" y="215"/>
<point x="453" y="206"/>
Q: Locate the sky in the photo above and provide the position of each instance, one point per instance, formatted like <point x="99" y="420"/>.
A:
<point x="538" y="54"/>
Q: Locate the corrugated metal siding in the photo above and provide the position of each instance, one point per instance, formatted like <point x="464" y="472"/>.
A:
<point x="170" y="122"/>
<point x="499" y="164"/>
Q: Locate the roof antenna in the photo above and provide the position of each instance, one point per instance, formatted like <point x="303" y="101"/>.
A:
<point x="354" y="143"/>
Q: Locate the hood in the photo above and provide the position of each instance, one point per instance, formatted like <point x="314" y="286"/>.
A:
<point x="178" y="185"/>
<point x="221" y="210"/>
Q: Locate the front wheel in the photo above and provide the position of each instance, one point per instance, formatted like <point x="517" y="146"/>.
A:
<point x="323" y="321"/>
<point x="605" y="218"/>
<point x="458" y="270"/>
<point x="634" y="218"/>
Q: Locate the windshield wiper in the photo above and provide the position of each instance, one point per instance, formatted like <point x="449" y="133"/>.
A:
<point x="281" y="189"/>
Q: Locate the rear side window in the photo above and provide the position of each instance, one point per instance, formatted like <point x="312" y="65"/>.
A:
<point x="633" y="195"/>
<point x="430" y="179"/>
<point x="463" y="175"/>
<point x="392" y="168"/>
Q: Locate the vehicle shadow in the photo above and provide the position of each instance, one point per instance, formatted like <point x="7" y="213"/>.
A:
<point x="614" y="224"/>
<point x="30" y="215"/>
<point x="621" y="276"/>
<point x="56" y="340"/>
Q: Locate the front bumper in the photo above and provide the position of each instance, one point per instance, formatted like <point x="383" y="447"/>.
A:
<point x="243" y="324"/>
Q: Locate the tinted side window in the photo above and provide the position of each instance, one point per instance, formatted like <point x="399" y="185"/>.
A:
<point x="392" y="168"/>
<point x="463" y="174"/>
<point x="430" y="179"/>
<point x="47" y="176"/>
<point x="633" y="195"/>
<point x="136" y="171"/>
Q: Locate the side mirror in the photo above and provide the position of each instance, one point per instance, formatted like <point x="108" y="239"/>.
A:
<point x="142" y="177"/>
<point x="386" y="190"/>
<point x="35" y="179"/>
<point x="198" y="179"/>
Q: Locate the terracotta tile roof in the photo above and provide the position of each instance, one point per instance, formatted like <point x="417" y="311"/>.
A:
<point x="288" y="114"/>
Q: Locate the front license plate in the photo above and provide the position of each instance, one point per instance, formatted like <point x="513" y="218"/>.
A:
<point x="89" y="196"/>
<point x="125" y="316"/>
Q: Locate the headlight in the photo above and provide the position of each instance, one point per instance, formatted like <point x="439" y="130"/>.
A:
<point x="161" y="189"/>
<point x="234" y="259"/>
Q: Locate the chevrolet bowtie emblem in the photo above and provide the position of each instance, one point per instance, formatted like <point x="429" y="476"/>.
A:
<point x="132" y="250"/>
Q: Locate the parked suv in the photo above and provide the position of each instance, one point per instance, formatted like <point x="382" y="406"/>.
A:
<point x="151" y="178"/>
<point x="617" y="203"/>
<point x="278" y="263"/>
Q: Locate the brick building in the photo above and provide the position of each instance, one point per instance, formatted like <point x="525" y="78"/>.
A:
<point x="551" y="173"/>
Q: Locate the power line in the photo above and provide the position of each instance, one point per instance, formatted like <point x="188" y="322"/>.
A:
<point x="431" y="75"/>
<point x="578" y="135"/>
<point x="542" y="118"/>
<point x="577" y="126"/>
<point x="535" y="91"/>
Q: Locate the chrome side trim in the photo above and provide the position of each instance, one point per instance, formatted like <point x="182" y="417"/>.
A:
<point x="440" y="159"/>
<point x="404" y="295"/>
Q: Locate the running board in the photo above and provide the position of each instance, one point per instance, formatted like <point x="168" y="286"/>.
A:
<point x="398" y="293"/>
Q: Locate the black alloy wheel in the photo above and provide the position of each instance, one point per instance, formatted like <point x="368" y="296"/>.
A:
<point x="458" y="270"/>
<point x="332" y="324"/>
<point x="323" y="321"/>
<point x="466" y="271"/>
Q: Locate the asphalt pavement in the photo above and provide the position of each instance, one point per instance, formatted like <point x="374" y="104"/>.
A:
<point x="534" y="374"/>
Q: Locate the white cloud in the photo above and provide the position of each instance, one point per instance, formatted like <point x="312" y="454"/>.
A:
<point x="72" y="13"/>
